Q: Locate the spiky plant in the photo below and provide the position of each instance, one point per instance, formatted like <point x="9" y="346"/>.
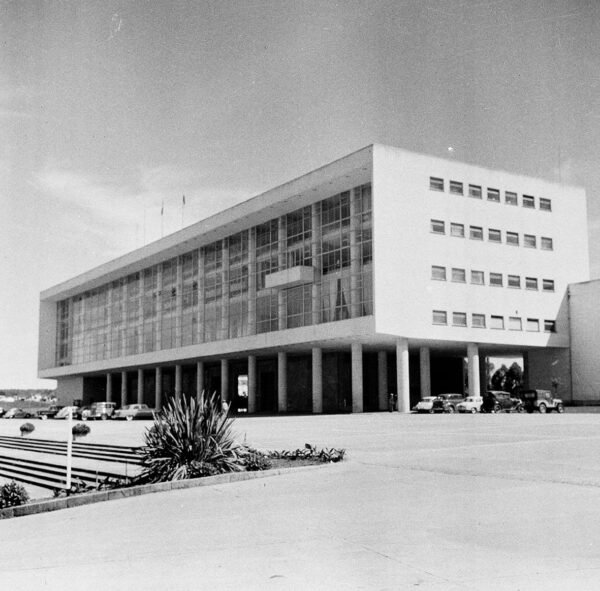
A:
<point x="189" y="439"/>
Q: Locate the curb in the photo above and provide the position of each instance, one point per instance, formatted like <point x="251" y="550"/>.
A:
<point x="144" y="489"/>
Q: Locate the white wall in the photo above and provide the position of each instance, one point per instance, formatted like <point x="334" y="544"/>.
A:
<point x="47" y="335"/>
<point x="69" y="389"/>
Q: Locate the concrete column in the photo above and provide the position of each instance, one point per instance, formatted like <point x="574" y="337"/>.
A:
<point x="281" y="257"/>
<point x="178" y="381"/>
<point x="355" y="260"/>
<point x="382" y="379"/>
<point x="251" y="281"/>
<point x="317" y="380"/>
<point x="224" y="380"/>
<point x="251" y="384"/>
<point x="200" y="338"/>
<point x="315" y="249"/>
<point x="109" y="392"/>
<point x="425" y="363"/>
<point x="402" y="375"/>
<point x="158" y="388"/>
<point x="282" y="381"/>
<point x="357" y="378"/>
<point x="199" y="378"/>
<point x="159" y="303"/>
<point x="179" y="302"/>
<point x="224" y="330"/>
<point x="123" y="388"/>
<point x="473" y="357"/>
<point x="140" y="386"/>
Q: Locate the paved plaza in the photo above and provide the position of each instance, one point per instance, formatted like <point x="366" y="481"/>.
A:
<point x="422" y="502"/>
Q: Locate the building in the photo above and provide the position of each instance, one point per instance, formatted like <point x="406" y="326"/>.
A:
<point x="377" y="273"/>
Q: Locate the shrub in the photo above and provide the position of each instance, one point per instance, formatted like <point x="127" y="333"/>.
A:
<point x="79" y="430"/>
<point x="310" y="452"/>
<point x="12" y="494"/>
<point x="26" y="428"/>
<point x="189" y="439"/>
<point x="255" y="461"/>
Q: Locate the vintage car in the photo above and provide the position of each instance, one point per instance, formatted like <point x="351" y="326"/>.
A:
<point x="542" y="401"/>
<point x="470" y="404"/>
<point x="63" y="413"/>
<point x="447" y="402"/>
<point x="19" y="413"/>
<point x="425" y="404"/>
<point x="102" y="410"/>
<point x="50" y="412"/>
<point x="500" y="401"/>
<point x="134" y="411"/>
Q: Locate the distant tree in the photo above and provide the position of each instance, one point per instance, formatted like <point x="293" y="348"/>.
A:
<point x="499" y="378"/>
<point x="489" y="372"/>
<point x="509" y="379"/>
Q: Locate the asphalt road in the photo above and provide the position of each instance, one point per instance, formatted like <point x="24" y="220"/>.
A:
<point x="423" y="502"/>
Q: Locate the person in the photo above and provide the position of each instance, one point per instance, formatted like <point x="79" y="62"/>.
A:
<point x="391" y="402"/>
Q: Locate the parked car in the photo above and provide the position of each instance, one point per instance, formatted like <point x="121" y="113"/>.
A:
<point x="2" y="411"/>
<point x="134" y="411"/>
<point x="470" y="404"/>
<point x="425" y="404"/>
<point x="63" y="413"/>
<point x="447" y="402"/>
<point x="102" y="410"/>
<point x="19" y="413"/>
<point x="83" y="413"/>
<point x="50" y="412"/>
<point x="542" y="401"/>
<point x="499" y="401"/>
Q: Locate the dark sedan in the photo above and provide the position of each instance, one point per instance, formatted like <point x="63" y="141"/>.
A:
<point x="498" y="401"/>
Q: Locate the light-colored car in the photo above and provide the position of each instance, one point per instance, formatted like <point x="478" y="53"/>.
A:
<point x="134" y="411"/>
<point x="425" y="404"/>
<point x="471" y="404"/>
<point x="63" y="413"/>
<point x="102" y="410"/>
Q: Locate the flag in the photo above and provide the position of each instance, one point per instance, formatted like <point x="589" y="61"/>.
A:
<point x="162" y="207"/>
<point x="184" y="199"/>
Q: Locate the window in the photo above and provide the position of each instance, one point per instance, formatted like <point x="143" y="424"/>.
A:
<point x="440" y="317"/>
<point x="478" y="320"/>
<point x="493" y="195"/>
<point x="475" y="191"/>
<point x="533" y="325"/>
<point x="457" y="230"/>
<point x="497" y="322"/>
<point x="529" y="201"/>
<point x="529" y="240"/>
<point x="456" y="188"/>
<point x="545" y="204"/>
<point x="494" y="235"/>
<point x="531" y="283"/>
<point x="510" y="198"/>
<point x="512" y="238"/>
<point x="438" y="227"/>
<point x="477" y="278"/>
<point x="514" y="281"/>
<point x="547" y="284"/>
<point x="459" y="275"/>
<point x="436" y="184"/>
<point x="459" y="319"/>
<point x="549" y="326"/>
<point x="438" y="273"/>
<point x="475" y="233"/>
<point x="546" y="243"/>
<point x="514" y="323"/>
<point x="496" y="279"/>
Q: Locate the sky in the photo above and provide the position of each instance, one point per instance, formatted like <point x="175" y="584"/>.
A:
<point x="112" y="109"/>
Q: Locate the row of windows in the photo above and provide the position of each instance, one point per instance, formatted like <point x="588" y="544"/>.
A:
<point x="459" y="275"/>
<point x="475" y="191"/>
<point x="459" y="319"/>
<point x="493" y="235"/>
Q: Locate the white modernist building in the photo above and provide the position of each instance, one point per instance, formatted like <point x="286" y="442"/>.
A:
<point x="377" y="273"/>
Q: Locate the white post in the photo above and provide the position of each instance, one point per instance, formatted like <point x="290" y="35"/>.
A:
<point x="69" y="448"/>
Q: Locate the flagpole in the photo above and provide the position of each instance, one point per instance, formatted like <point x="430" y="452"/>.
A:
<point x="162" y="211"/>
<point x="182" y="208"/>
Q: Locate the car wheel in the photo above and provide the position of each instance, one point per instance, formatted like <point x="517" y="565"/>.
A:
<point x="44" y="417"/>
<point x="129" y="418"/>
<point x="520" y="408"/>
<point x="542" y="408"/>
<point x="560" y="408"/>
<point x="104" y="417"/>
<point x="84" y="418"/>
<point x="450" y="409"/>
<point x="473" y="411"/>
<point x="496" y="408"/>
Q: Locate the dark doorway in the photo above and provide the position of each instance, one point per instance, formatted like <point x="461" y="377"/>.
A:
<point x="266" y="391"/>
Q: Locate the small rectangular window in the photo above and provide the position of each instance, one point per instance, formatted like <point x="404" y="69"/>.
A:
<point x="533" y="325"/>
<point x="438" y="227"/>
<point x="457" y="230"/>
<point x="529" y="240"/>
<point x="546" y="243"/>
<point x="547" y="284"/>
<point x="514" y="323"/>
<point x="494" y="235"/>
<point x="478" y="320"/>
<point x="549" y="326"/>
<point x="477" y="278"/>
<point x="514" y="281"/>
<point x="459" y="319"/>
<point x="475" y="233"/>
<point x="493" y="195"/>
<point x="438" y="273"/>
<point x="436" y="184"/>
<point x="459" y="275"/>
<point x="456" y="188"/>
<point x="496" y="279"/>
<point x="475" y="191"/>
<point x="440" y="317"/>
<point x="510" y="198"/>
<point x="497" y="322"/>
<point x="529" y="201"/>
<point x="531" y="283"/>
<point x="545" y="204"/>
<point x="512" y="238"/>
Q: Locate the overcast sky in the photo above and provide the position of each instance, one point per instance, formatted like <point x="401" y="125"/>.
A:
<point x="109" y="108"/>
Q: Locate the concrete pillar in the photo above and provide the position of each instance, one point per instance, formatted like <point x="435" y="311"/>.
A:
<point x="425" y="364"/>
<point x="123" y="388"/>
<point x="224" y="380"/>
<point x="315" y="249"/>
<point x="224" y="332"/>
<point x="109" y="392"/>
<point x="251" y="281"/>
<point x="355" y="259"/>
<point x="199" y="378"/>
<point x="473" y="363"/>
<point x="251" y="384"/>
<point x="200" y="336"/>
<point x="357" y="378"/>
<point x="178" y="381"/>
<point x="281" y="252"/>
<point x="158" y="388"/>
<point x="382" y="379"/>
<point x="140" y="386"/>
<point x="317" y="380"/>
<point x="402" y="375"/>
<point x="282" y="381"/>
